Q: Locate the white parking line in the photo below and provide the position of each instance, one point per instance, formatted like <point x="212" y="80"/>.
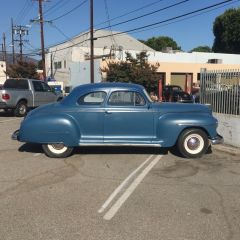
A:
<point x="119" y="188"/>
<point x="36" y="154"/>
<point x="114" y="209"/>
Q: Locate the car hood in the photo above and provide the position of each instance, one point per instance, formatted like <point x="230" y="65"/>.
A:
<point x="181" y="107"/>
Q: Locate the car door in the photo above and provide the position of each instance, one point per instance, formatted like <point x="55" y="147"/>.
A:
<point x="39" y="93"/>
<point x="90" y="116"/>
<point x="128" y="119"/>
<point x="50" y="96"/>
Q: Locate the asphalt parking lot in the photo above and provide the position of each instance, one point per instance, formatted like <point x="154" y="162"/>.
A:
<point x="115" y="193"/>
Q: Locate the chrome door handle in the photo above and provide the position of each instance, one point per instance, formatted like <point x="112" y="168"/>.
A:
<point x="108" y="112"/>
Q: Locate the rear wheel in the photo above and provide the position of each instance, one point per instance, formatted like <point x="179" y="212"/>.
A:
<point x="21" y="109"/>
<point x="193" y="143"/>
<point x="57" y="150"/>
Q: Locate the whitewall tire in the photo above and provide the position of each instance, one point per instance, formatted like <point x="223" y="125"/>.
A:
<point x="193" y="143"/>
<point x="57" y="150"/>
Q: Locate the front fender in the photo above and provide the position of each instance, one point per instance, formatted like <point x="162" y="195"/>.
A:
<point x="171" y="125"/>
<point x="47" y="128"/>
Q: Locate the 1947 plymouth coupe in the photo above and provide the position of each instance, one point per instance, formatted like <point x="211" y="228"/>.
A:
<point x="118" y="114"/>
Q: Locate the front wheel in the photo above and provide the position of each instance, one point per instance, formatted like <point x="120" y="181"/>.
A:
<point x="193" y="143"/>
<point x="57" y="150"/>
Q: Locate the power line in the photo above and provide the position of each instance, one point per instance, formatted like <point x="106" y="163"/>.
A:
<point x="147" y="14"/>
<point x="189" y="17"/>
<point x="128" y="13"/>
<point x="169" y="19"/>
<point x="60" y="2"/>
<point x="72" y="10"/>
<point x="147" y="27"/>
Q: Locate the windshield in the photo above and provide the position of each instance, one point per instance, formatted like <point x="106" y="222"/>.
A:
<point x="147" y="95"/>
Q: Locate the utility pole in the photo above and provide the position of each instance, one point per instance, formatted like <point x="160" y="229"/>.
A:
<point x="13" y="49"/>
<point x="42" y="38"/>
<point x="4" y="48"/>
<point x="20" y="31"/>
<point x="41" y="21"/>
<point x="91" y="43"/>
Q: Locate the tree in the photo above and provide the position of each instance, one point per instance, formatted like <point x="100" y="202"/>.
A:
<point x="226" y="29"/>
<point x="159" y="43"/>
<point x="134" y="70"/>
<point x="22" y="70"/>
<point x="201" y="49"/>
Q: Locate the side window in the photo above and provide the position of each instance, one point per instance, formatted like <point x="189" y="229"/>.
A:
<point x="38" y="87"/>
<point x="46" y="88"/>
<point x="126" y="98"/>
<point x="93" y="98"/>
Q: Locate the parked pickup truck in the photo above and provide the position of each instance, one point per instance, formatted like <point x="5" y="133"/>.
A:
<point x="21" y="94"/>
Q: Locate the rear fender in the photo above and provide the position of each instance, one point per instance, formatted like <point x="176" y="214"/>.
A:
<point x="57" y="128"/>
<point x="171" y="125"/>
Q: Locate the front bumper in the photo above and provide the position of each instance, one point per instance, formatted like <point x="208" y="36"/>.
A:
<point x="15" y="135"/>
<point x="217" y="140"/>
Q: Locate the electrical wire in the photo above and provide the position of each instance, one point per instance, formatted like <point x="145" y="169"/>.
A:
<point x="109" y="23"/>
<point x="169" y="19"/>
<point x="147" y="14"/>
<point x="186" y="18"/>
<point x="72" y="10"/>
<point x="147" y="27"/>
<point x="128" y="13"/>
<point x="154" y="24"/>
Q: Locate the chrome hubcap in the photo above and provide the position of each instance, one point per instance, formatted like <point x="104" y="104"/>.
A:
<point x="22" y="109"/>
<point x="193" y="143"/>
<point x="58" y="146"/>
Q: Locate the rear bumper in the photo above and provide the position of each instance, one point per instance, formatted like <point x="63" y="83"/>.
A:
<point x="217" y="140"/>
<point x="15" y="135"/>
<point x="3" y="105"/>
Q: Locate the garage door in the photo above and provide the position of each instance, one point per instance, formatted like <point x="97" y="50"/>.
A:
<point x="178" y="79"/>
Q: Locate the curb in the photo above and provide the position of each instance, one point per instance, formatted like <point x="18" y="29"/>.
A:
<point x="228" y="149"/>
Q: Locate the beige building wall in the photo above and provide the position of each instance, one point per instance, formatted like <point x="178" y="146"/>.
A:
<point x="191" y="68"/>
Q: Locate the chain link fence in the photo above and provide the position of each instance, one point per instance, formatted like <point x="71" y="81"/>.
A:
<point x="221" y="90"/>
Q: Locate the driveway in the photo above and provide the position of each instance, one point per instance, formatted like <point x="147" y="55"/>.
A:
<point x="115" y="193"/>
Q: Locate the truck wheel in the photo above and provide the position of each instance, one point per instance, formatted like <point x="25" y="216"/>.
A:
<point x="57" y="150"/>
<point x="21" y="109"/>
<point x="193" y="143"/>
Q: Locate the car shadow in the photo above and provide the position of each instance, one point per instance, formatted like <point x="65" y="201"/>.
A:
<point x="36" y="148"/>
<point x="31" y="148"/>
<point x="6" y="114"/>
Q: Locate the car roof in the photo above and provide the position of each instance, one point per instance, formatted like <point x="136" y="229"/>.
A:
<point x="110" y="85"/>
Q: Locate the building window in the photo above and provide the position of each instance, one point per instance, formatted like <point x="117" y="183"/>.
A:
<point x="58" y="65"/>
<point x="65" y="64"/>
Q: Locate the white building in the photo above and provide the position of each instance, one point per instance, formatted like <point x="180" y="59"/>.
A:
<point x="69" y="62"/>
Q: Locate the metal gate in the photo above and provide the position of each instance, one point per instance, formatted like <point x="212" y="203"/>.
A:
<point x="221" y="90"/>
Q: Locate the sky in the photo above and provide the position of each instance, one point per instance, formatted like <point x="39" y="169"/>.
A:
<point x="68" y="18"/>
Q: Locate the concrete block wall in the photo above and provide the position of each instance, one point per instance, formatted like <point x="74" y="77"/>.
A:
<point x="229" y="128"/>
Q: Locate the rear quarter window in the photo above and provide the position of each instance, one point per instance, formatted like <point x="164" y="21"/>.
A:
<point x="93" y="98"/>
<point x="21" y="84"/>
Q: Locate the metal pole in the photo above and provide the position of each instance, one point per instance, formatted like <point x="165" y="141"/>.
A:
<point x="42" y="38"/>
<point x="91" y="43"/>
<point x="4" y="48"/>
<point x="20" y="43"/>
<point x="51" y="56"/>
<point x="13" y="50"/>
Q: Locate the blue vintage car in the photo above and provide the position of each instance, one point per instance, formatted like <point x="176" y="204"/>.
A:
<point x="118" y="114"/>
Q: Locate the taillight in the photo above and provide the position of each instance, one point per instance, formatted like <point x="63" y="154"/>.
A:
<point x="5" y="96"/>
